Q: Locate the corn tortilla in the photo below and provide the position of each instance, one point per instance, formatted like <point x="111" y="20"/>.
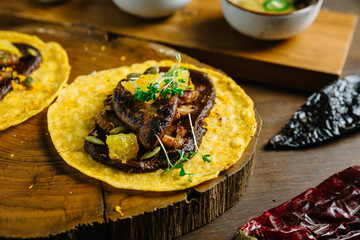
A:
<point x="20" y="104"/>
<point x="231" y="125"/>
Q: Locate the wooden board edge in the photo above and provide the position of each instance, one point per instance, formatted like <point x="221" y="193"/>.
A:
<point x="74" y="227"/>
<point x="242" y="66"/>
<point x="351" y="36"/>
<point x="176" y="219"/>
<point x="204" y="203"/>
<point x="264" y="72"/>
<point x="246" y="156"/>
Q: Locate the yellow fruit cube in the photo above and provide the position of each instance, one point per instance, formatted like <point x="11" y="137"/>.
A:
<point x="122" y="146"/>
<point x="143" y="82"/>
<point x="185" y="76"/>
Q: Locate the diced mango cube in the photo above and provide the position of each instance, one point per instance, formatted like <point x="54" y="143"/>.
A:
<point x="122" y="146"/>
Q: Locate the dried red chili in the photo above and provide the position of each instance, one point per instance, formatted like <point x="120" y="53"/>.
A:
<point x="329" y="211"/>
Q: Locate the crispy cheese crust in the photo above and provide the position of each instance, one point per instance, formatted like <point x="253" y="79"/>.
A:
<point x="21" y="104"/>
<point x="231" y="126"/>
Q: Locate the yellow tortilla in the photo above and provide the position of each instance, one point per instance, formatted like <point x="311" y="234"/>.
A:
<point x="231" y="124"/>
<point x="20" y="104"/>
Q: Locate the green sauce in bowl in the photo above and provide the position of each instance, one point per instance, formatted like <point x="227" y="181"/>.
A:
<point x="269" y="6"/>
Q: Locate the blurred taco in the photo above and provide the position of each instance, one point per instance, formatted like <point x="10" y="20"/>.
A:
<point x="32" y="73"/>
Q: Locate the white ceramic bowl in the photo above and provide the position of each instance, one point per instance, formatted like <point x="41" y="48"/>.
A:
<point x="151" y="8"/>
<point x="270" y="26"/>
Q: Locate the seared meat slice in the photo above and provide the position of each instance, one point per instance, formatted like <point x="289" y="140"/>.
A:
<point x="177" y="136"/>
<point x="108" y="103"/>
<point x="101" y="154"/>
<point x="107" y="120"/>
<point x="8" y="59"/>
<point x="28" y="62"/>
<point x="24" y="66"/>
<point x="146" y="119"/>
<point x="5" y="77"/>
<point x="172" y="142"/>
<point x="4" y="89"/>
<point x="5" y="83"/>
<point x="189" y="96"/>
<point x="184" y="110"/>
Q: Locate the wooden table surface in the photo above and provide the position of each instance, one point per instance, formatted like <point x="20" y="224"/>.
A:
<point x="201" y="30"/>
<point x="277" y="175"/>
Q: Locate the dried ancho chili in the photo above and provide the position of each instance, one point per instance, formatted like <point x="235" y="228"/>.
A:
<point x="326" y="114"/>
<point x="329" y="211"/>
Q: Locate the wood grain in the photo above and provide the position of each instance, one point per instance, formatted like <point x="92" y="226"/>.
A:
<point x="278" y="175"/>
<point x="40" y="194"/>
<point x="312" y="58"/>
<point x="43" y="196"/>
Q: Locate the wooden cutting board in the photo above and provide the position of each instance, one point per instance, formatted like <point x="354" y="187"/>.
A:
<point x="42" y="196"/>
<point x="307" y="61"/>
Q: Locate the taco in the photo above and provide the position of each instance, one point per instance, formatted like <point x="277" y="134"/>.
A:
<point x="32" y="73"/>
<point x="154" y="126"/>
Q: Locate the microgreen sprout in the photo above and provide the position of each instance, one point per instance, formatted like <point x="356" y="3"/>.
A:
<point x="199" y="174"/>
<point x="206" y="158"/>
<point x="183" y="157"/>
<point x="166" y="155"/>
<point x="150" y="94"/>
<point x="172" y="85"/>
<point x="180" y="165"/>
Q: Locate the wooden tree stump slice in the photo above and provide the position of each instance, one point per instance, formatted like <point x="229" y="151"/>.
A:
<point x="43" y="197"/>
<point x="175" y="213"/>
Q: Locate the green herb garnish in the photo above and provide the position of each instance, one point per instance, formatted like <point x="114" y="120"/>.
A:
<point x="171" y="89"/>
<point x="276" y="5"/>
<point x="166" y="156"/>
<point x="94" y="140"/>
<point x="29" y="81"/>
<point x="179" y="163"/>
<point x="150" y="94"/>
<point x="204" y="157"/>
<point x="151" y="154"/>
<point x="172" y="85"/>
